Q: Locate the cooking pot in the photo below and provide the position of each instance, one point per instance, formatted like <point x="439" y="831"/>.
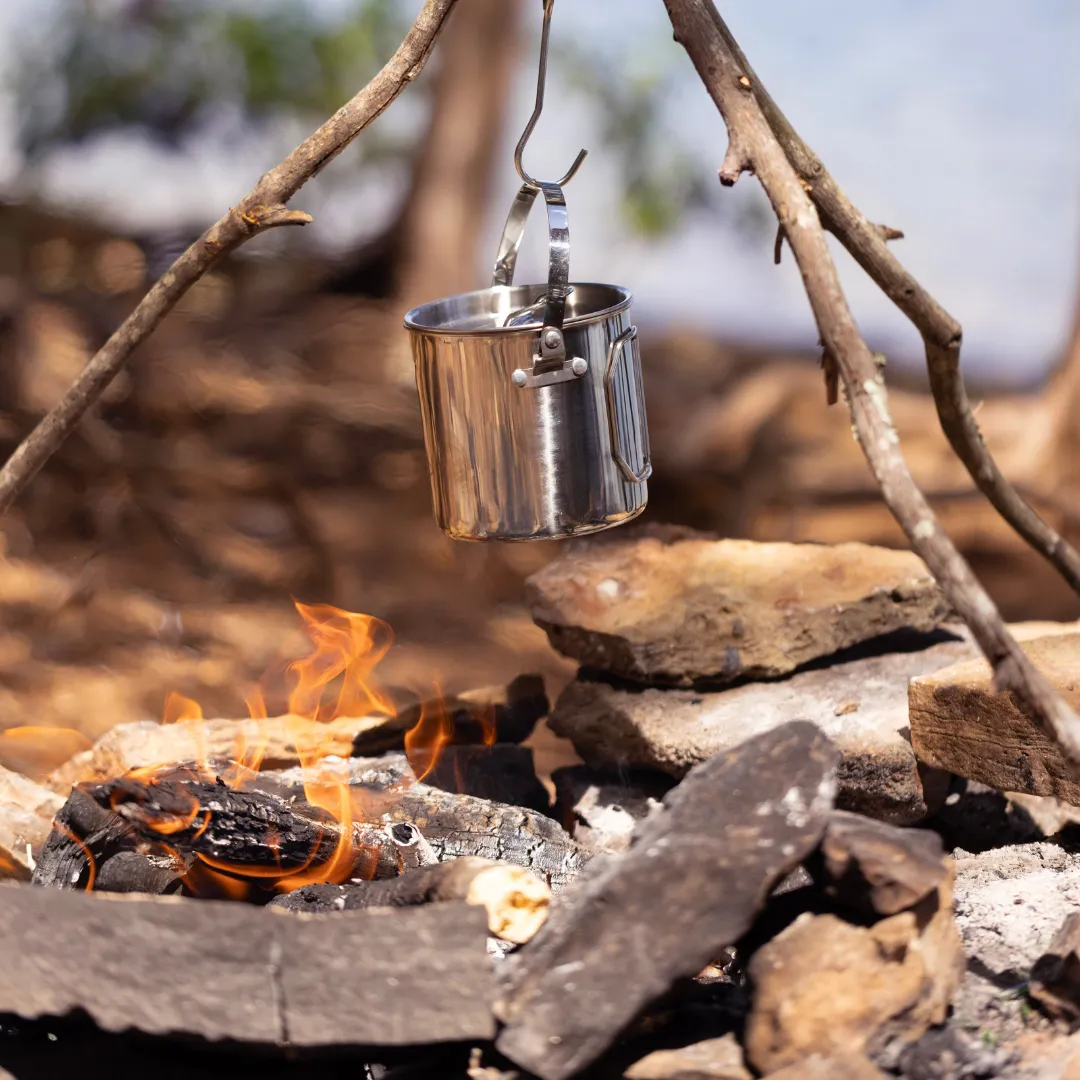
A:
<point x="531" y="398"/>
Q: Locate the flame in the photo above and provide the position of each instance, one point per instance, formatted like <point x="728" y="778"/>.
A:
<point x="335" y="680"/>
<point x="425" y="740"/>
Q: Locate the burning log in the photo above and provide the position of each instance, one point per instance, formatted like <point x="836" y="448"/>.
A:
<point x="690" y="884"/>
<point x="244" y="834"/>
<point x="163" y="966"/>
<point x="454" y="825"/>
<point x="479" y="717"/>
<point x="515" y="899"/>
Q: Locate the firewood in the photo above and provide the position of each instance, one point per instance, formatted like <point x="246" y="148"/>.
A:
<point x="690" y="884"/>
<point x="454" y="825"/>
<point x="515" y="899"/>
<point x="413" y="851"/>
<point x="245" y="833"/>
<point x="492" y="715"/>
<point x="166" y="965"/>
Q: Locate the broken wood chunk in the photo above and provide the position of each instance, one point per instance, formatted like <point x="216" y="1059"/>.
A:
<point x="877" y="868"/>
<point x="168" y="966"/>
<point x="693" y="879"/>
<point x="413" y="851"/>
<point x="503" y="714"/>
<point x="515" y="899"/>
<point x="961" y="723"/>
<point x="675" y="608"/>
<point x="618" y="727"/>
<point x="600" y="810"/>
<point x="712" y="1059"/>
<point x="26" y="812"/>
<point x="133" y="872"/>
<point x="1055" y="977"/>
<point x="824" y="986"/>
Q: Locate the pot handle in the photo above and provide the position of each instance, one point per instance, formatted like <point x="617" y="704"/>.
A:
<point x="633" y="412"/>
<point x="552" y="346"/>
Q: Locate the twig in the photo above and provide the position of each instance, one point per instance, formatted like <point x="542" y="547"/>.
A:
<point x="940" y="331"/>
<point x="700" y="30"/>
<point x="261" y="209"/>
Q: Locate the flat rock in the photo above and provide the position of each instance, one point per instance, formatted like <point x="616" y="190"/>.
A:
<point x="824" y="986"/>
<point x="26" y="813"/>
<point x="222" y="970"/>
<point x="960" y="723"/>
<point x="862" y="706"/>
<point x="675" y="609"/>
<point x="711" y="1059"/>
<point x="838" y="1067"/>
<point x="633" y="924"/>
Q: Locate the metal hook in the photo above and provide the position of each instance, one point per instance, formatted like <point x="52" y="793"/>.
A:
<point x="541" y="78"/>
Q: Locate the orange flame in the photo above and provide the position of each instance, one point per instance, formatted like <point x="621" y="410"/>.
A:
<point x="425" y="740"/>
<point x="334" y="680"/>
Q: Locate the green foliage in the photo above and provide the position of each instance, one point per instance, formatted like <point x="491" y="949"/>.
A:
<point x="173" y="67"/>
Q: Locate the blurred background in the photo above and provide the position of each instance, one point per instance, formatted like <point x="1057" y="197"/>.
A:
<point x="265" y="443"/>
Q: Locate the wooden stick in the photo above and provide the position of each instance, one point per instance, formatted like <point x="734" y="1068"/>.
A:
<point x="413" y="851"/>
<point x="752" y="146"/>
<point x="515" y="899"/>
<point x="941" y="333"/>
<point x="261" y="209"/>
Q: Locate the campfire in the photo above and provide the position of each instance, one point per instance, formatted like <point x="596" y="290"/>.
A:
<point x="763" y="863"/>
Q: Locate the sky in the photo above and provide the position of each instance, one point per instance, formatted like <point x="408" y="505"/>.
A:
<point x="957" y="121"/>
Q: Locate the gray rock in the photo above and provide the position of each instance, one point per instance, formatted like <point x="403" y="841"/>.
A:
<point x="691" y="883"/>
<point x="861" y="706"/>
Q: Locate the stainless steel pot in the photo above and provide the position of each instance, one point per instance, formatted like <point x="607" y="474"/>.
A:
<point x="531" y="398"/>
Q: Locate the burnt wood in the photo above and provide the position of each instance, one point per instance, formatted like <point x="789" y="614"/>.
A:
<point x="167" y="966"/>
<point x="454" y="825"/>
<point x="440" y="883"/>
<point x="82" y="831"/>
<point x="691" y="883"/>
<point x="240" y="832"/>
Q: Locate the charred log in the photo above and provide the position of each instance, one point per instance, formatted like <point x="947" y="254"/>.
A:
<point x="516" y="900"/>
<point x="454" y="825"/>
<point x="243" y="833"/>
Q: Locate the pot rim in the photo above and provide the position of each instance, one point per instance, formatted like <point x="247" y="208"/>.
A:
<point x="413" y="318"/>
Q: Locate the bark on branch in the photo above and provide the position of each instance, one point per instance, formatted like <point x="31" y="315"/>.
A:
<point x="941" y="333"/>
<point x="264" y="207"/>
<point x="726" y="73"/>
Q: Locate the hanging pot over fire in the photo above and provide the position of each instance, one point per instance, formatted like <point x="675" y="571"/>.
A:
<point x="531" y="395"/>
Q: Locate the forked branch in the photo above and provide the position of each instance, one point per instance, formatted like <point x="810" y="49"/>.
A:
<point x="731" y="84"/>
<point x="941" y="333"/>
<point x="264" y="207"/>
